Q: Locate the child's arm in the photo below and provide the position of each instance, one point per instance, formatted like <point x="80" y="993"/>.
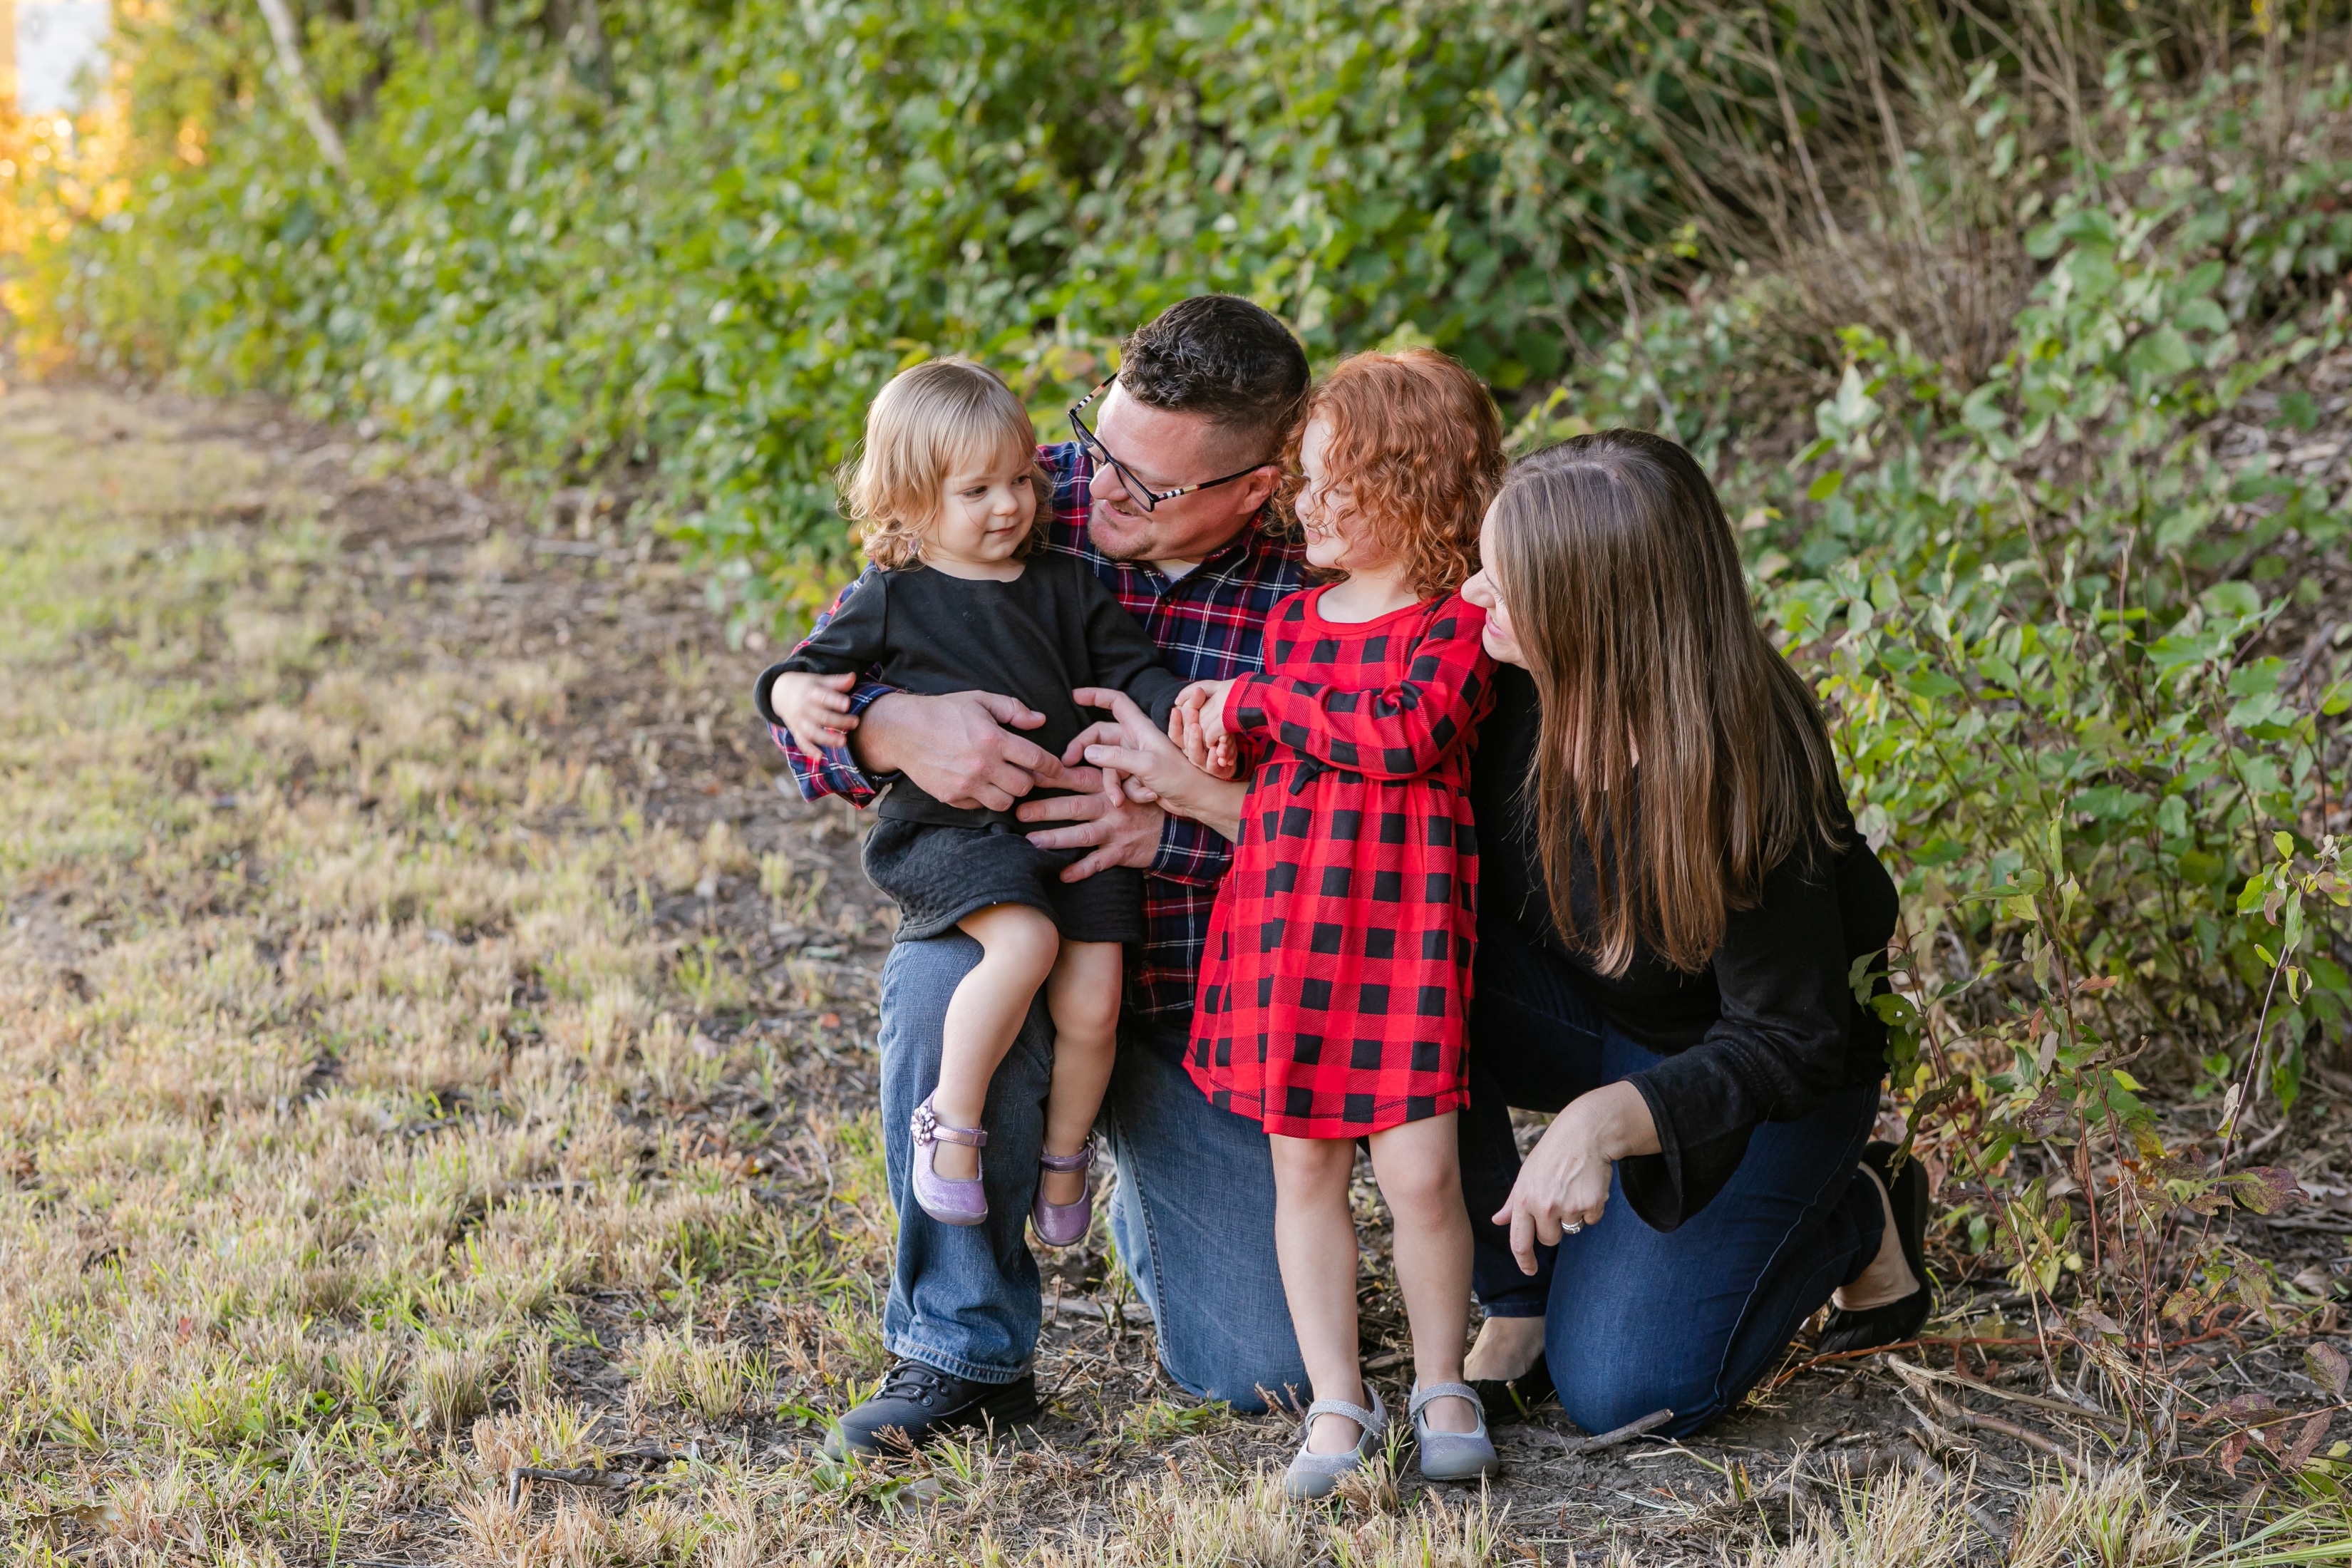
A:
<point x="820" y="765"/>
<point x="1394" y="732"/>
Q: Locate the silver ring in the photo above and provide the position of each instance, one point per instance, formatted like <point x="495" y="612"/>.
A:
<point x="1571" y="1229"/>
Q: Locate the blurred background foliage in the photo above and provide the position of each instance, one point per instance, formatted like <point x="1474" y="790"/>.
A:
<point x="2015" y="334"/>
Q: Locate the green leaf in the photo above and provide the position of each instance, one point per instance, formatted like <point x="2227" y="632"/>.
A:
<point x="2231" y="599"/>
<point x="2162" y="353"/>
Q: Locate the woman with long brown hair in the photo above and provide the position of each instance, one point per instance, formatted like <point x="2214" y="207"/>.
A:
<point x="1673" y="900"/>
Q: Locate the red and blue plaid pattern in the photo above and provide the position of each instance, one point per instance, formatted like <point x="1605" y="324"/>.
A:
<point x="1208" y="624"/>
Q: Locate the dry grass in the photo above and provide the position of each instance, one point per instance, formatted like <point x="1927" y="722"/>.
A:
<point x="436" y="1049"/>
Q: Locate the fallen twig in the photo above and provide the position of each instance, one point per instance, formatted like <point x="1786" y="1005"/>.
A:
<point x="1617" y="1438"/>
<point x="2032" y="1439"/>
<point x="2227" y="1331"/>
<point x="1954" y="1380"/>
<point x="1927" y="1380"/>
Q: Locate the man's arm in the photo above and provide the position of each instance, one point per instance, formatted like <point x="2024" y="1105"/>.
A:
<point x="955" y="749"/>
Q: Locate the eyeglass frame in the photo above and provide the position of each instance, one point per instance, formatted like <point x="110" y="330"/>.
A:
<point x="1143" y="495"/>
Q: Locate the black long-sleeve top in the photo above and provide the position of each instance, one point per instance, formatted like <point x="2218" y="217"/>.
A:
<point x="1037" y="637"/>
<point x="1768" y="1029"/>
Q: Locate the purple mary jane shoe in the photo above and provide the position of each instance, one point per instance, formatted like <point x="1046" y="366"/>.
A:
<point x="1062" y="1225"/>
<point x="946" y="1199"/>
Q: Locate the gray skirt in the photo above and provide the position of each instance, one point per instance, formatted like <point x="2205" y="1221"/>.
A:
<point x="937" y="875"/>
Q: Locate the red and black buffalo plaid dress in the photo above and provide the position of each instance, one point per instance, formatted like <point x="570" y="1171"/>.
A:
<point x="1337" y="968"/>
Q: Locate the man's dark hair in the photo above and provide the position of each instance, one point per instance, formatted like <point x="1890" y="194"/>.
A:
<point x="1219" y="356"/>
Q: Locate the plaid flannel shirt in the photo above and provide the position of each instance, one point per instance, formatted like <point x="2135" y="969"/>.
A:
<point x="1207" y="624"/>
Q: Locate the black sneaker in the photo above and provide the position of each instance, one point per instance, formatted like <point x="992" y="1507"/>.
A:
<point x="922" y="1401"/>
<point x="1906" y="1190"/>
<point x="1506" y="1400"/>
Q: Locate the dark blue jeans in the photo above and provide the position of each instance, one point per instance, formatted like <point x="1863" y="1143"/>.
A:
<point x="1192" y="1213"/>
<point x="1637" y="1319"/>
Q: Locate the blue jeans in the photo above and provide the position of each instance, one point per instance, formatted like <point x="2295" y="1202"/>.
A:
<point x="1192" y="1212"/>
<point x="1637" y="1319"/>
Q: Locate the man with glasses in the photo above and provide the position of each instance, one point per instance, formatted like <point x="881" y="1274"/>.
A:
<point x="1162" y="489"/>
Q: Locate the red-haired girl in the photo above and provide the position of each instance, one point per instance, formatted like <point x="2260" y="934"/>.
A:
<point x="1333" y="989"/>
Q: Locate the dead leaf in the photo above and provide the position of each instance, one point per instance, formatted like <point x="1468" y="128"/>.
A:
<point x="2234" y="1450"/>
<point x="2048" y="1115"/>
<point x="2315" y="1431"/>
<point x="2328" y="1367"/>
<point x="2099" y="1322"/>
<point x="2240" y="1407"/>
<point x="2266" y="1189"/>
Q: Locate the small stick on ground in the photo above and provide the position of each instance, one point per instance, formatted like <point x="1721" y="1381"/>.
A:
<point x="1974" y="1386"/>
<point x="1622" y="1435"/>
<point x="2032" y="1439"/>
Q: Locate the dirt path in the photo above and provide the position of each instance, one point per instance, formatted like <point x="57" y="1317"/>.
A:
<point x="439" y="1047"/>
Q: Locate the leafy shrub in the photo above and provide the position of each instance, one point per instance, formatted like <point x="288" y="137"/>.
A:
<point x="2079" y="626"/>
<point x="679" y="249"/>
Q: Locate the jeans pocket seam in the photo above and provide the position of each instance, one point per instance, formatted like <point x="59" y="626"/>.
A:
<point x="1128" y="1173"/>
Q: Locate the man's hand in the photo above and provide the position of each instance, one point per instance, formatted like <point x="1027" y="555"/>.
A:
<point x="956" y="749"/>
<point x="1113" y="819"/>
<point x="815" y="708"/>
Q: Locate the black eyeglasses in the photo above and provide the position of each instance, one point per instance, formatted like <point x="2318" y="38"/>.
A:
<point x="1143" y="495"/>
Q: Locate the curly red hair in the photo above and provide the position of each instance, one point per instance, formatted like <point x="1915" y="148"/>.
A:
<point x="1419" y="444"/>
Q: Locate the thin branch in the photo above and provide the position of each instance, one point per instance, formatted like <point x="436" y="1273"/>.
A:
<point x="288" y="37"/>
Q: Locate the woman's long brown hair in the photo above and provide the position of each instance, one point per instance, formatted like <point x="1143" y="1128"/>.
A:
<point x="1624" y="586"/>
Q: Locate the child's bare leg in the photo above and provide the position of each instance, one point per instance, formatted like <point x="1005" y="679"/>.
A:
<point x="1315" y="1238"/>
<point x="1421" y="1177"/>
<point x="1082" y="996"/>
<point x="1017" y="947"/>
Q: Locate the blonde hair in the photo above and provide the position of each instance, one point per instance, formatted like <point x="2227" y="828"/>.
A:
<point x="926" y="421"/>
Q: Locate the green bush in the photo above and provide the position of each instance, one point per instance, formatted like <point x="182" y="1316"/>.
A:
<point x="681" y="250"/>
<point x="2081" y="633"/>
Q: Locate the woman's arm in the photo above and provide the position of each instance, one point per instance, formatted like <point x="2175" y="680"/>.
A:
<point x="1131" y="744"/>
<point x="1398" y="730"/>
<point x="1565" y="1178"/>
<point x="1778" y="1047"/>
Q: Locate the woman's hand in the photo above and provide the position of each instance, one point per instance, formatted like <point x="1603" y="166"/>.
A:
<point x="1155" y="768"/>
<point x="1565" y="1180"/>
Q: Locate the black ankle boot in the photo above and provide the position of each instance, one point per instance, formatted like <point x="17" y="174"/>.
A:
<point x="1907" y="1193"/>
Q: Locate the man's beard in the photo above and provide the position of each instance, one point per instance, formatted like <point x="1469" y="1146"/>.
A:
<point x="1094" y="531"/>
